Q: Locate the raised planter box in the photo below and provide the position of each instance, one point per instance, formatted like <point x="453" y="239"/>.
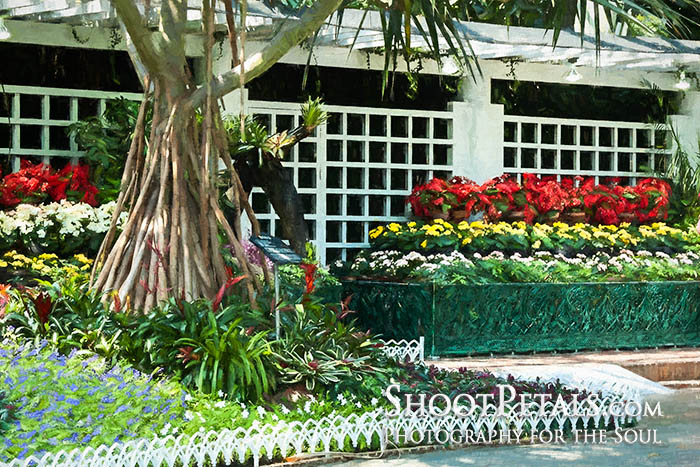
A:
<point x="499" y="318"/>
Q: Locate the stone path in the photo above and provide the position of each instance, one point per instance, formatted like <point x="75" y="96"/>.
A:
<point x="677" y="434"/>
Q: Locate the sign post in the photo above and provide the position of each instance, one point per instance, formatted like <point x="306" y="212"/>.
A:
<point x="279" y="253"/>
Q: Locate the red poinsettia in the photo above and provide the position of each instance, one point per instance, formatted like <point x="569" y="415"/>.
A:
<point x="35" y="183"/>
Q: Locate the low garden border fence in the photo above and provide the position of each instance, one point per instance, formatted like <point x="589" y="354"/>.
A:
<point x="368" y="431"/>
<point x="530" y="317"/>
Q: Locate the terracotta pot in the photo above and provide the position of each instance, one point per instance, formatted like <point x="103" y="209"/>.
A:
<point x="514" y="216"/>
<point x="575" y="218"/>
<point x="436" y="213"/>
<point x="551" y="219"/>
<point x="628" y="217"/>
<point x="457" y="216"/>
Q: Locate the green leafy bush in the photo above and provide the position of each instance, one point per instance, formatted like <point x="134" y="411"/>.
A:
<point x="319" y="349"/>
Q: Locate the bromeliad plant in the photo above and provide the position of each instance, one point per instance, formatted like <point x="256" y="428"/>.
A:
<point x="320" y="349"/>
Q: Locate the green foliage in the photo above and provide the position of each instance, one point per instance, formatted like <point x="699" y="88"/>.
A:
<point x="313" y="113"/>
<point x="254" y="136"/>
<point x="76" y="400"/>
<point x="76" y="317"/>
<point x="106" y="140"/>
<point x="229" y="360"/>
<point x="683" y="174"/>
<point x="6" y="413"/>
<point x="186" y="340"/>
<point x="319" y="349"/>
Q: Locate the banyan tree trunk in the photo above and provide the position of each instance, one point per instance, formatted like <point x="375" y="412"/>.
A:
<point x="169" y="245"/>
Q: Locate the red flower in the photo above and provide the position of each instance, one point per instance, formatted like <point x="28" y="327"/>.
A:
<point x="309" y="276"/>
<point x="43" y="305"/>
<point x="313" y="365"/>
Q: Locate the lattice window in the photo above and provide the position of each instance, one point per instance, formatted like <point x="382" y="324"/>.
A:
<point x="356" y="171"/>
<point x="549" y="146"/>
<point x="33" y="121"/>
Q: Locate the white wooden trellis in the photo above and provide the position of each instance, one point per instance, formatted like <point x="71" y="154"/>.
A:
<point x="591" y="148"/>
<point x="34" y="120"/>
<point x="356" y="170"/>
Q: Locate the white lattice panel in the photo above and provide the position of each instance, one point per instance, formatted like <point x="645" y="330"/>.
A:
<point x="33" y="120"/>
<point x="592" y="148"/>
<point x="357" y="169"/>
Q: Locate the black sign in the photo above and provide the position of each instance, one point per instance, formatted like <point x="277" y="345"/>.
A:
<point x="278" y="251"/>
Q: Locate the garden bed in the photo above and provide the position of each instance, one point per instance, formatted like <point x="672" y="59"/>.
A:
<point x="530" y="317"/>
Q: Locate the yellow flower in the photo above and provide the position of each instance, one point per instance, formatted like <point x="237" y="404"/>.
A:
<point x="537" y="245"/>
<point x="424" y="243"/>
<point x="466" y="240"/>
<point x="374" y="233"/>
<point x="48" y="256"/>
<point x="82" y="258"/>
<point x="3" y="264"/>
<point x="411" y="224"/>
<point x="17" y="264"/>
<point x="394" y="227"/>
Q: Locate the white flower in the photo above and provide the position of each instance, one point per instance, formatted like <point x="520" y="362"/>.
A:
<point x="374" y="401"/>
<point x="284" y="409"/>
<point x="358" y="405"/>
<point x="220" y="393"/>
<point x="189" y="416"/>
<point x="188" y="397"/>
<point x="220" y="404"/>
<point x="165" y="430"/>
<point x="261" y="411"/>
<point x="245" y="413"/>
<point x="307" y="407"/>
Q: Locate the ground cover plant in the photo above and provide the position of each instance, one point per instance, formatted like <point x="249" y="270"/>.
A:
<point x="61" y="402"/>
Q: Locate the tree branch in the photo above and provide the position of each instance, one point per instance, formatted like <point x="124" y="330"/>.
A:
<point x="139" y="33"/>
<point x="290" y="35"/>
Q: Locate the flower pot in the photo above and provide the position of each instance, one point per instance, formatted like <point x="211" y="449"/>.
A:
<point x="575" y="218"/>
<point x="513" y="216"/>
<point x="436" y="213"/>
<point x="552" y="218"/>
<point x="457" y="216"/>
<point x="628" y="217"/>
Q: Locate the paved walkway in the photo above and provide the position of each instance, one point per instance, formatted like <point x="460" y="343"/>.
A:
<point x="678" y="435"/>
<point x="666" y="364"/>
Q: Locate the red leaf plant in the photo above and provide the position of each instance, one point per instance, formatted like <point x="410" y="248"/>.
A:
<point x="42" y="305"/>
<point x="4" y="298"/>
<point x="309" y="276"/>
<point x="230" y="282"/>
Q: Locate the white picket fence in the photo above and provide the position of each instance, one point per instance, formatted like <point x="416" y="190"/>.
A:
<point x="324" y="436"/>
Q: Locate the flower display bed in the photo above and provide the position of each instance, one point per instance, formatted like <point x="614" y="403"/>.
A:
<point x="527" y="317"/>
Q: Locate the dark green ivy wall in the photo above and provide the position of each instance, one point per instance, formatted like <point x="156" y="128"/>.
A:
<point x="500" y="318"/>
